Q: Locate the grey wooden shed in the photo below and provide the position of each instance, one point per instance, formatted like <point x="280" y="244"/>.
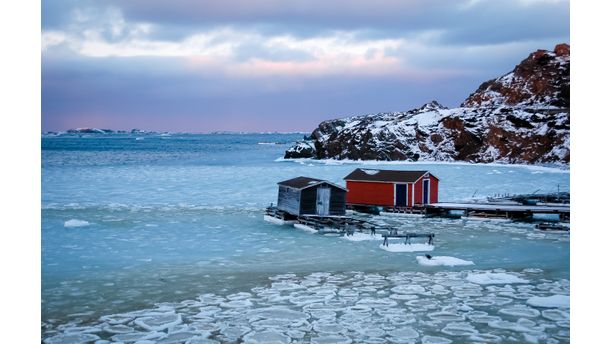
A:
<point x="310" y="196"/>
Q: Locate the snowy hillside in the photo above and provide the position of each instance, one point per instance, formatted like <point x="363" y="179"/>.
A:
<point x="521" y="117"/>
<point x="541" y="80"/>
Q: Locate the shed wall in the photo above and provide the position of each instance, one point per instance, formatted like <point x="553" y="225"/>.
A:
<point x="337" y="202"/>
<point x="288" y="200"/>
<point x="433" y="184"/>
<point x="410" y="192"/>
<point x="308" y="201"/>
<point x="433" y="190"/>
<point x="370" y="193"/>
<point x="418" y="192"/>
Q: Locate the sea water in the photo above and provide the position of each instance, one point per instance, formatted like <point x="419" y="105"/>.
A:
<point x="157" y="238"/>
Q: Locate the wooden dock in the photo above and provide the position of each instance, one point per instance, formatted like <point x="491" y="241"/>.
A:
<point x="501" y="210"/>
<point x="407" y="237"/>
<point x="279" y="217"/>
<point x="416" y="210"/>
<point x="341" y="225"/>
<point x="344" y="225"/>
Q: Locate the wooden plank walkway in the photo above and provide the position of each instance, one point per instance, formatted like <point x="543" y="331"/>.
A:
<point x="501" y="210"/>
<point x="501" y="207"/>
<point x="348" y="225"/>
<point x="336" y="224"/>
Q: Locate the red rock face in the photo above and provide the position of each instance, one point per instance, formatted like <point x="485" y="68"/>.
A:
<point x="521" y="117"/>
<point x="562" y="49"/>
<point x="541" y="80"/>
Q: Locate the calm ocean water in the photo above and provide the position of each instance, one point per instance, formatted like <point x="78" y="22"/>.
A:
<point x="165" y="233"/>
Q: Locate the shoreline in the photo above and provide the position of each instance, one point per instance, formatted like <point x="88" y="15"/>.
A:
<point x="550" y="169"/>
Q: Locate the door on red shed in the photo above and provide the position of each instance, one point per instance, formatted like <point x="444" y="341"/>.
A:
<point x="400" y="195"/>
<point x="425" y="191"/>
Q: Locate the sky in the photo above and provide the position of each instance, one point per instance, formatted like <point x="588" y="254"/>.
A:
<point x="275" y="65"/>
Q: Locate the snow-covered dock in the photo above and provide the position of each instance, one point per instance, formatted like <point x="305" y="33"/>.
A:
<point x="509" y="211"/>
<point x="341" y="225"/>
<point x="279" y="217"/>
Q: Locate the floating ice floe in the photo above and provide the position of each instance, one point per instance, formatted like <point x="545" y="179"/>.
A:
<point x="521" y="325"/>
<point x="232" y="333"/>
<point x="362" y="237"/>
<point x="556" y="314"/>
<point x="329" y="339"/>
<point x="237" y="304"/>
<point x="408" y="289"/>
<point x="532" y="270"/>
<point x="481" y="317"/>
<point x="276" y="220"/>
<point x="116" y="329"/>
<point x="404" y="333"/>
<point x="485" y="338"/>
<point x="554" y="301"/>
<point x="116" y="319"/>
<point x="442" y="261"/>
<point x="268" y="336"/>
<point x="459" y="329"/>
<point x="520" y="311"/>
<point x="358" y="307"/>
<point x="76" y="223"/>
<point x="435" y="340"/>
<point x="278" y="313"/>
<point x="71" y="338"/>
<point x="407" y="247"/>
<point x="494" y="278"/>
<point x="305" y="228"/>
<point x="176" y="337"/>
<point x="201" y="340"/>
<point x="159" y="322"/>
<point x="446" y="316"/>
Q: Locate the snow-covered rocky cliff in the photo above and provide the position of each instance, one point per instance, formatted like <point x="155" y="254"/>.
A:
<point x="521" y="117"/>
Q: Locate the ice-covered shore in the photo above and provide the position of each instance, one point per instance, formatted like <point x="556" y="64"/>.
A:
<point x="342" y="308"/>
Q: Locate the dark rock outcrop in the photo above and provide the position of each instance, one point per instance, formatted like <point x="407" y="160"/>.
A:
<point x="521" y="117"/>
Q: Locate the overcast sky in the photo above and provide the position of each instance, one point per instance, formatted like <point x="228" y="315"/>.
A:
<point x="275" y="65"/>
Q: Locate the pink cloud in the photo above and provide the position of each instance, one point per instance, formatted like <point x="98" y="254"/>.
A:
<point x="377" y="66"/>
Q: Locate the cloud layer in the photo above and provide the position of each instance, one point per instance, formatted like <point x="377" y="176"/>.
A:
<point x="275" y="65"/>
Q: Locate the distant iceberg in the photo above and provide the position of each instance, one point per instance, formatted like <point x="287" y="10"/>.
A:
<point x="75" y="223"/>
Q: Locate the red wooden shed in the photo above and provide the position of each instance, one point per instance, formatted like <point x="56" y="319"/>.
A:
<point x="391" y="188"/>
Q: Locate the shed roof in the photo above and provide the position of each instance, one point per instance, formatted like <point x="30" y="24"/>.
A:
<point x="306" y="182"/>
<point x="385" y="175"/>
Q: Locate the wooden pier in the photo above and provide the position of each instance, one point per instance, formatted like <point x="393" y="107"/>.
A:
<point x="501" y="210"/>
<point x="416" y="210"/>
<point x="343" y="225"/>
<point x="407" y="237"/>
